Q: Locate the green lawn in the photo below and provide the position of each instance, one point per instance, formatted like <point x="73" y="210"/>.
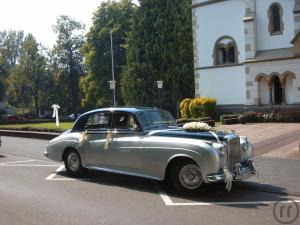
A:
<point x="37" y="126"/>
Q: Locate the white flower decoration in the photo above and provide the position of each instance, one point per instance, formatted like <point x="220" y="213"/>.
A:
<point x="197" y="126"/>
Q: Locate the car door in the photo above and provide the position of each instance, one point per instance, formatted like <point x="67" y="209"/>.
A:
<point x="97" y="129"/>
<point x="124" y="150"/>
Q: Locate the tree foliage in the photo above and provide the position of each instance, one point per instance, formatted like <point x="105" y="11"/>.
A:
<point x="10" y="48"/>
<point x="160" y="47"/>
<point x="66" y="52"/>
<point x="110" y="16"/>
<point x="27" y="78"/>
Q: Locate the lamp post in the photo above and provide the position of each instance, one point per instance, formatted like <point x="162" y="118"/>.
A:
<point x="112" y="86"/>
<point x="112" y="83"/>
<point x="160" y="84"/>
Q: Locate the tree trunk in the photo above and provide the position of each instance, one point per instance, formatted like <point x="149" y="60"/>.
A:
<point x="36" y="105"/>
<point x="73" y="87"/>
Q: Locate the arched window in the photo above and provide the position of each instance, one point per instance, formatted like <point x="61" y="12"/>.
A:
<point x="275" y="19"/>
<point x="225" y="51"/>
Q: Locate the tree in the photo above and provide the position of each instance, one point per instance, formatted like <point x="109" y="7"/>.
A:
<point x="67" y="51"/>
<point x="110" y="16"/>
<point x="27" y="78"/>
<point x="10" y="47"/>
<point x="160" y="47"/>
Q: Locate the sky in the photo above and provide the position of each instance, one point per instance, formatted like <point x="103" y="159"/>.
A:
<point x="38" y="16"/>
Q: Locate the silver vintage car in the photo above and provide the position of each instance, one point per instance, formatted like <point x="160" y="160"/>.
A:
<point x="147" y="142"/>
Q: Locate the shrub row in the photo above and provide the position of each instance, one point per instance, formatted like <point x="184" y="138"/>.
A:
<point x="198" y="107"/>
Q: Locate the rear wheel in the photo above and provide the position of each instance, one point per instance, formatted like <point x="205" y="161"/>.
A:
<point x="186" y="177"/>
<point x="73" y="164"/>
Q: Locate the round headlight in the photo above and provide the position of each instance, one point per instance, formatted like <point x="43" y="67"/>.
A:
<point x="245" y="146"/>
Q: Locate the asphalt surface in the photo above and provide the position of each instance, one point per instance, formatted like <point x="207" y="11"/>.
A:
<point x="31" y="192"/>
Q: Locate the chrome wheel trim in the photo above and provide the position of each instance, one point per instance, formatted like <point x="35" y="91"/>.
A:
<point x="190" y="177"/>
<point x="73" y="161"/>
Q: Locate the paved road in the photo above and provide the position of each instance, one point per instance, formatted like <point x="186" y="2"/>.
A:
<point x="32" y="193"/>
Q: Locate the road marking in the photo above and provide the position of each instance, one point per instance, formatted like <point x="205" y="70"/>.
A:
<point x="168" y="202"/>
<point x="52" y="175"/>
<point x="24" y="161"/>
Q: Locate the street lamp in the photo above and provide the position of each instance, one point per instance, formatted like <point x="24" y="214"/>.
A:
<point x="112" y="86"/>
<point x="112" y="83"/>
<point x="160" y="84"/>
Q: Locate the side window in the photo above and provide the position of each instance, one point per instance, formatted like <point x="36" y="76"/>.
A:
<point x="123" y="121"/>
<point x="98" y="121"/>
<point x="275" y="13"/>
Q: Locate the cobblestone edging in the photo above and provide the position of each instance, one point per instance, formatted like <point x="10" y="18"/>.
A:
<point x="28" y="134"/>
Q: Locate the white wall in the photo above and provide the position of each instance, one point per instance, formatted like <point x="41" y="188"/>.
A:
<point x="265" y="93"/>
<point x="227" y="84"/>
<point x="289" y="91"/>
<point x="216" y="20"/>
<point x="265" y="40"/>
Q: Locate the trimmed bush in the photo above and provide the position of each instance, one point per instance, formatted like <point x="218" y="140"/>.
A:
<point x="202" y="107"/>
<point x="184" y="108"/>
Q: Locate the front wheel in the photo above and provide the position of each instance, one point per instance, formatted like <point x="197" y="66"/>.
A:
<point x="73" y="164"/>
<point x="186" y="177"/>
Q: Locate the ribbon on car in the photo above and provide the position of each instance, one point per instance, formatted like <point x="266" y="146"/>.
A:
<point x="83" y="138"/>
<point x="109" y="139"/>
<point x="55" y="108"/>
<point x="228" y="179"/>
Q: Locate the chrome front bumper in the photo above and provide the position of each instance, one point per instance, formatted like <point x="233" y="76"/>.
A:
<point x="242" y="172"/>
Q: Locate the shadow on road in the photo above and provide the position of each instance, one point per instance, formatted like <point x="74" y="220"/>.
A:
<point x="2" y="156"/>
<point x="216" y="193"/>
<point x="212" y="193"/>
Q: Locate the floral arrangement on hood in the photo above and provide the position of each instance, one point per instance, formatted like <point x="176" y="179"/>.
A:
<point x="203" y="127"/>
<point x="197" y="127"/>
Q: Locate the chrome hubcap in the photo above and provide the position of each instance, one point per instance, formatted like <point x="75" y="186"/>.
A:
<point x="190" y="177"/>
<point x="73" y="161"/>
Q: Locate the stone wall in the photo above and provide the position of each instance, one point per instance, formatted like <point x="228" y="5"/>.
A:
<point x="268" y="68"/>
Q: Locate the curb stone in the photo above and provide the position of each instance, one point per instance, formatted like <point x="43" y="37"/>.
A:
<point x="29" y="134"/>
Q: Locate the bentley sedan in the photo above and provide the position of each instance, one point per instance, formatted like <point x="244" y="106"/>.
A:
<point x="147" y="142"/>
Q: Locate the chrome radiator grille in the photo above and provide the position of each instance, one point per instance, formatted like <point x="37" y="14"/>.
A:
<point x="234" y="154"/>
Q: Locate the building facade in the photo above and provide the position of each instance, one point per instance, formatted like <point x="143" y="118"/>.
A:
<point x="247" y="52"/>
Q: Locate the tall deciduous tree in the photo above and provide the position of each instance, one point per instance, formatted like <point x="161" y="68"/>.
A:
<point x="160" y="47"/>
<point x="110" y="16"/>
<point x="10" y="47"/>
<point x="67" y="51"/>
<point x="27" y="78"/>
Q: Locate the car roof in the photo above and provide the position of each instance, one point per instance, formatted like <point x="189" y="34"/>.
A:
<point x="123" y="109"/>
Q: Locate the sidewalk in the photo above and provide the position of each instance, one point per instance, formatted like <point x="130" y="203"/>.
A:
<point x="275" y="175"/>
<point x="275" y="140"/>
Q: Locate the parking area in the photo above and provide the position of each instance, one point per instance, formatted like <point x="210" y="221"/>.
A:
<point x="275" y="140"/>
<point x="38" y="191"/>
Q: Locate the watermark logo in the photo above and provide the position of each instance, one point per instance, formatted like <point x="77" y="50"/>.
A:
<point x="286" y="212"/>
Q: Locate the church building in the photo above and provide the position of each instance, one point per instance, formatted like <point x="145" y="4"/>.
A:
<point x="247" y="52"/>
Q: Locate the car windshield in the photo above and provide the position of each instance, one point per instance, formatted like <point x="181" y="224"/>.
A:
<point x="150" y="119"/>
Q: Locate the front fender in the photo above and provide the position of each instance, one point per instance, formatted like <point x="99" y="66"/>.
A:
<point x="206" y="158"/>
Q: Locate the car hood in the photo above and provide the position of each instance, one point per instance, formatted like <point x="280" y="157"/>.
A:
<point x="181" y="133"/>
